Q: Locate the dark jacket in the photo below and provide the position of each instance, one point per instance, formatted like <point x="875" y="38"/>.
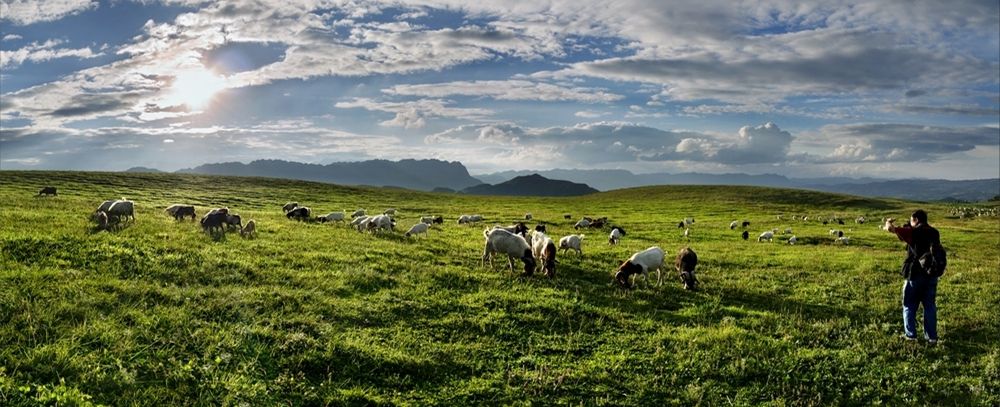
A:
<point x="918" y="241"/>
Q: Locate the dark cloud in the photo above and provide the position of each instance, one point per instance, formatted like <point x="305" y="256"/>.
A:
<point x="915" y="93"/>
<point x="832" y="72"/>
<point x="89" y="104"/>
<point x="977" y="111"/>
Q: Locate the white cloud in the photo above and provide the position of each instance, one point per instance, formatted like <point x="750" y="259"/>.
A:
<point x="25" y="12"/>
<point x="36" y="52"/>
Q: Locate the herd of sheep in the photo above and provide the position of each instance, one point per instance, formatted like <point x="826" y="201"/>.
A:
<point x="532" y="247"/>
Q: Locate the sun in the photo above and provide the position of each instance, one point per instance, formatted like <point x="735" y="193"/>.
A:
<point x="195" y="88"/>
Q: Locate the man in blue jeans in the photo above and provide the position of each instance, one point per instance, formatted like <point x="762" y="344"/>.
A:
<point x="919" y="287"/>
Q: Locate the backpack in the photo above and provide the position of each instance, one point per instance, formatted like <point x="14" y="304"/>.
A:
<point x="934" y="261"/>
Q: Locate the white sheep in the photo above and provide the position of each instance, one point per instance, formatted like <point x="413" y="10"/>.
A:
<point x="249" y="229"/>
<point x="427" y="219"/>
<point x="843" y="239"/>
<point x="572" y="242"/>
<point x="616" y="235"/>
<point x="792" y="240"/>
<point x="289" y="206"/>
<point x="419" y="228"/>
<point x="733" y="225"/>
<point x="544" y="251"/>
<point x="688" y="221"/>
<point x="642" y="263"/>
<point x="380" y="223"/>
<point x="123" y="208"/>
<point x="787" y="231"/>
<point x="499" y="241"/>
<point x="357" y="213"/>
<point x="463" y="219"/>
<point x="360" y="222"/>
<point x="476" y="218"/>
<point x="582" y="224"/>
<point x="335" y="217"/>
<point x="687" y="232"/>
<point x="389" y="212"/>
<point x="769" y="235"/>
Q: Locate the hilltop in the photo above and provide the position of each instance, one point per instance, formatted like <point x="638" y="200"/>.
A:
<point x="531" y="185"/>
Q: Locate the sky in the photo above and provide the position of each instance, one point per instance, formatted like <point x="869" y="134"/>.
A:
<point x="885" y="89"/>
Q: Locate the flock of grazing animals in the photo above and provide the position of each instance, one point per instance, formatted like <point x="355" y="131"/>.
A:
<point x="532" y="247"/>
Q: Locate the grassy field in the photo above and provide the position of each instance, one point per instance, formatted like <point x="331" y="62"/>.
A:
<point x="158" y="313"/>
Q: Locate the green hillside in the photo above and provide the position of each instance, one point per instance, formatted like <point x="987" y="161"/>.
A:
<point x="159" y="313"/>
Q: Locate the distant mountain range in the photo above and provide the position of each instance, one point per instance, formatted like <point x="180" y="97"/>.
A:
<point x="911" y="189"/>
<point x="424" y="175"/>
<point x="531" y="185"/>
<point x="443" y="176"/>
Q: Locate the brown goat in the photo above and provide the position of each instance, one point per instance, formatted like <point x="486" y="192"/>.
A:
<point x="686" y="261"/>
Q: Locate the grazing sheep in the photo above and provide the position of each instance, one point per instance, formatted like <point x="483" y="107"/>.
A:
<point x="499" y="241"/>
<point x="792" y="240"/>
<point x="775" y="230"/>
<point x="746" y="235"/>
<point x="334" y="217"/>
<point x="420" y="227"/>
<point x="843" y="239"/>
<point x="787" y="231"/>
<point x="234" y="220"/>
<point x="686" y="262"/>
<point x="249" y="229"/>
<point x="427" y="219"/>
<point x="567" y="216"/>
<point x="390" y="212"/>
<point x="183" y="211"/>
<point x="289" y="206"/>
<point x="517" y="229"/>
<point x="214" y="220"/>
<point x="544" y="251"/>
<point x="746" y="223"/>
<point x="300" y="213"/>
<point x="688" y="221"/>
<point x="574" y="242"/>
<point x="357" y="213"/>
<point x="102" y="220"/>
<point x="541" y="228"/>
<point x="476" y="218"/>
<point x="48" y="191"/>
<point x="123" y="208"/>
<point x="223" y="209"/>
<point x="380" y="223"/>
<point x="642" y="263"/>
<point x="615" y="236"/>
<point x="464" y="219"/>
<point x="733" y="225"/>
<point x="582" y="224"/>
<point x="527" y="216"/>
<point x="360" y="222"/>
<point x="769" y="235"/>
<point x="102" y="208"/>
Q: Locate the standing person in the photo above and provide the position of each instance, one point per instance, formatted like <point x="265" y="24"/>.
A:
<point x="919" y="288"/>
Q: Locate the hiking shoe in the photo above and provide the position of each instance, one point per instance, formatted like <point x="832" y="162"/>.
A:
<point x="932" y="341"/>
<point x="909" y="338"/>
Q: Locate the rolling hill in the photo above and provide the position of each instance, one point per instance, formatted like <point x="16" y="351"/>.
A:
<point x="159" y="312"/>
